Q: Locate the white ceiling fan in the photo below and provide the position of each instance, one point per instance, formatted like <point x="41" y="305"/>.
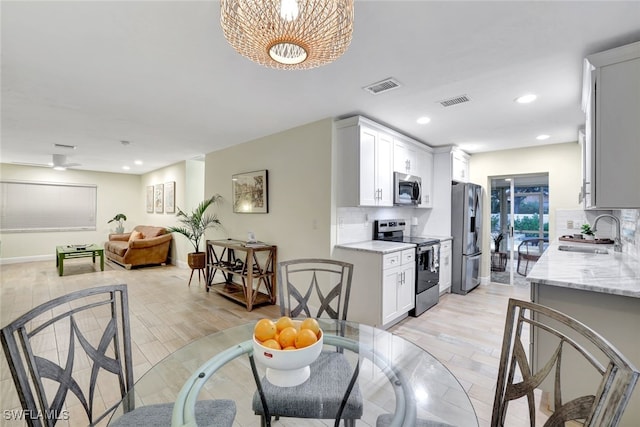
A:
<point x="58" y="162"/>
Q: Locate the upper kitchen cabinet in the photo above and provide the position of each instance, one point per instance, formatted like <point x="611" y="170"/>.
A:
<point x="364" y="163"/>
<point x="414" y="158"/>
<point x="611" y="148"/>
<point x="405" y="157"/>
<point x="452" y="165"/>
<point x="459" y="166"/>
<point x="424" y="159"/>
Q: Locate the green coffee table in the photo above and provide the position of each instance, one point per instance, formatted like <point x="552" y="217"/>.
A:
<point x="78" y="251"/>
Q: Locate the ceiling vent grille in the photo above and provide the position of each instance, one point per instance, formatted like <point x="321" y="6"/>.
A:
<point x="382" y="86"/>
<point x="65" y="146"/>
<point x="454" y="101"/>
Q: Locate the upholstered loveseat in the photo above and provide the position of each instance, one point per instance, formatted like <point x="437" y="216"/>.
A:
<point x="143" y="246"/>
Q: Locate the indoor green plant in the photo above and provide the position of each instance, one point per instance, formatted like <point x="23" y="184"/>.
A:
<point x="194" y="226"/>
<point x="587" y="232"/>
<point x="120" y="219"/>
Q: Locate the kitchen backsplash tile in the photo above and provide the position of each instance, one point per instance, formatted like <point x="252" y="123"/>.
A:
<point x="629" y="226"/>
<point x="356" y="224"/>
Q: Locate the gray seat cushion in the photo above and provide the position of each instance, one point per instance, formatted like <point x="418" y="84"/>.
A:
<point x="215" y="413"/>
<point x="385" y="421"/>
<point x="318" y="397"/>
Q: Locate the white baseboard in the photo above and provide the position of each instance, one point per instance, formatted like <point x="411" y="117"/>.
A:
<point x="35" y="258"/>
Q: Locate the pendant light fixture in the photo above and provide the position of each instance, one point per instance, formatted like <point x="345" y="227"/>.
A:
<point x="288" y="34"/>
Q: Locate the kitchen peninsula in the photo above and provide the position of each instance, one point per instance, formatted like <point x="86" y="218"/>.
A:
<point x="602" y="290"/>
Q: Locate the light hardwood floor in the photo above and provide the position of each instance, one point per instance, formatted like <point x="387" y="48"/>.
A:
<point x="464" y="332"/>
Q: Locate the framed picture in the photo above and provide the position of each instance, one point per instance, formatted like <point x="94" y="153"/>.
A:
<point x="158" y="198"/>
<point x="150" y="198"/>
<point x="170" y="197"/>
<point x="250" y="192"/>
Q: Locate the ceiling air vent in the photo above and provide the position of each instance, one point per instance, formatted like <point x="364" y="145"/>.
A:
<point x="454" y="101"/>
<point x="382" y="86"/>
<point x="65" y="146"/>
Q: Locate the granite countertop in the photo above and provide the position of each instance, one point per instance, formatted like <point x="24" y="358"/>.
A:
<point x="612" y="273"/>
<point x="378" y="246"/>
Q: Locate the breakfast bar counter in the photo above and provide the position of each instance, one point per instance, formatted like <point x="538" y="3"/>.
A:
<point x="602" y="290"/>
<point x="611" y="273"/>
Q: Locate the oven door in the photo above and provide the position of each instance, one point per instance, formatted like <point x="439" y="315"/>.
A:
<point x="428" y="267"/>
<point x="408" y="189"/>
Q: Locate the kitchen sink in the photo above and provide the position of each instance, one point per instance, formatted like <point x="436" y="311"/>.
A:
<point x="583" y="250"/>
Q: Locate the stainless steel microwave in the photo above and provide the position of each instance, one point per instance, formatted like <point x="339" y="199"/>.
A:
<point x="407" y="189"/>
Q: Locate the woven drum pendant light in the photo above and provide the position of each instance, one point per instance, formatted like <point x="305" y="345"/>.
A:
<point x="288" y="34"/>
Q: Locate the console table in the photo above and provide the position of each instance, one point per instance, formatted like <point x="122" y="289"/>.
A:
<point x="248" y="271"/>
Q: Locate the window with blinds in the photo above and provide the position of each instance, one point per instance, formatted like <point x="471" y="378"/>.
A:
<point x="38" y="206"/>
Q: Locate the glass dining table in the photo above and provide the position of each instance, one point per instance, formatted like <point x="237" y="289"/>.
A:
<point x="399" y="381"/>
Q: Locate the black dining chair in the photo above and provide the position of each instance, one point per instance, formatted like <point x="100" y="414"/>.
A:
<point x="529" y="251"/>
<point x="76" y="344"/>
<point x="315" y="288"/>
<point x="612" y="376"/>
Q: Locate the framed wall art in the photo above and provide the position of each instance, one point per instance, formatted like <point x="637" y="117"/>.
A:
<point x="158" y="198"/>
<point x="250" y="192"/>
<point x="170" y="197"/>
<point x="150" y="198"/>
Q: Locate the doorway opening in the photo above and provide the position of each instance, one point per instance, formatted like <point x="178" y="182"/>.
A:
<point x="519" y="223"/>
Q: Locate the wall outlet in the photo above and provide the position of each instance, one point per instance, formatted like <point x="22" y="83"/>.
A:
<point x="569" y="224"/>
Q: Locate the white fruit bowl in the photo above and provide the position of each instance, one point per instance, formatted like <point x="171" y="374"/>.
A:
<point x="287" y="368"/>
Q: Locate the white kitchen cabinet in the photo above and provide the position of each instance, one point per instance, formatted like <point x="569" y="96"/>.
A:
<point x="398" y="285"/>
<point x="445" y="266"/>
<point x="365" y="163"/>
<point x="425" y="167"/>
<point x="383" y="285"/>
<point x="459" y="166"/>
<point x="405" y="157"/>
<point x="611" y="149"/>
<point x="414" y="158"/>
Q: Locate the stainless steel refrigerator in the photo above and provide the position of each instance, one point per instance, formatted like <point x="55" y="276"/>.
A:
<point x="466" y="229"/>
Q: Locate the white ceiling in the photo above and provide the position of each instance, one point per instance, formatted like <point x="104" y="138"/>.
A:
<point x="161" y="75"/>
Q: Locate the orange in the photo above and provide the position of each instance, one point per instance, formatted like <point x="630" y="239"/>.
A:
<point x="284" y="322"/>
<point x="271" y="343"/>
<point x="312" y="324"/>
<point x="290" y="348"/>
<point x="288" y="337"/>
<point x="265" y="329"/>
<point x="305" y="338"/>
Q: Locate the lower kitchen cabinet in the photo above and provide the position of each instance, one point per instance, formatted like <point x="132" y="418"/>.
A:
<point x="383" y="285"/>
<point x="445" y="266"/>
<point x="398" y="286"/>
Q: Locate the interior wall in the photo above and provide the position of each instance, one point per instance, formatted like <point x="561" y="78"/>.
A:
<point x="178" y="174"/>
<point x="561" y="161"/>
<point x="117" y="193"/>
<point x="298" y="162"/>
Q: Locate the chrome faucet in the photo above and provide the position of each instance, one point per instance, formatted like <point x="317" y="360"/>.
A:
<point x="617" y="243"/>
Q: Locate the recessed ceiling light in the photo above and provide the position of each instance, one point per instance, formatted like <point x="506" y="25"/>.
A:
<point x="138" y="162"/>
<point x="423" y="120"/>
<point x="542" y="137"/>
<point x="525" y="99"/>
<point x="126" y="168"/>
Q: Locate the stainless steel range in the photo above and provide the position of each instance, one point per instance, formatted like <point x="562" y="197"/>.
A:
<point x="427" y="261"/>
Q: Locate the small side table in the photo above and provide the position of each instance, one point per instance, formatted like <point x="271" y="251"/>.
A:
<point x="74" y="251"/>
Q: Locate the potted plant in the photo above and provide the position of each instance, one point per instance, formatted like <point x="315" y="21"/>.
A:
<point x="498" y="259"/>
<point x="194" y="226"/>
<point x="120" y="219"/>
<point x="587" y="232"/>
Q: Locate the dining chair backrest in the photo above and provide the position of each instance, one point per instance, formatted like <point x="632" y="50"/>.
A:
<point x="62" y="346"/>
<point x="606" y="377"/>
<point x="314" y="287"/>
<point x="529" y="251"/>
